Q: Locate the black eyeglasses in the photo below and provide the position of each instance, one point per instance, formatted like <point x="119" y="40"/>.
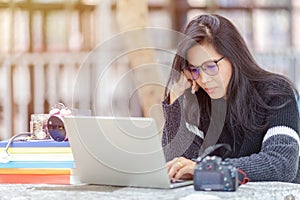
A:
<point x="211" y="68"/>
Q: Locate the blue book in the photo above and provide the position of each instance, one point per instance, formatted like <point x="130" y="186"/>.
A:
<point x="38" y="164"/>
<point x="35" y="143"/>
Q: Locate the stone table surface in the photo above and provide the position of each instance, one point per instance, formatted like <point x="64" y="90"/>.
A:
<point x="251" y="190"/>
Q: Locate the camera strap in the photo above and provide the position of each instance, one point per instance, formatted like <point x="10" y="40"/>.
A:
<point x="211" y="149"/>
<point x="242" y="177"/>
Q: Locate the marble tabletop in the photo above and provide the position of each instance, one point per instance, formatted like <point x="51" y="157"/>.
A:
<point x="251" y="190"/>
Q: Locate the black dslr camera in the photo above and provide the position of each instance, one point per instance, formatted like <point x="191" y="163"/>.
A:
<point x="213" y="174"/>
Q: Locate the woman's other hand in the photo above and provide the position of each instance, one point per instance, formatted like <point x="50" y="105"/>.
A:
<point x="181" y="168"/>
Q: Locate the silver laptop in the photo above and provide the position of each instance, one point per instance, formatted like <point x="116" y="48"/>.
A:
<point x="118" y="151"/>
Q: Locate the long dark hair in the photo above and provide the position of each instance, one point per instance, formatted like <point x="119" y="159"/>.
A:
<point x="250" y="87"/>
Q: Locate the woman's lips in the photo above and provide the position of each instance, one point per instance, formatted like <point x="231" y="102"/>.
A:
<point x="210" y="90"/>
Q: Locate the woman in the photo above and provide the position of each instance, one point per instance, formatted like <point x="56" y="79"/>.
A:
<point x="261" y="118"/>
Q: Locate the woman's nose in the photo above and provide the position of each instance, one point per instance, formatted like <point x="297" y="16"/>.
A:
<point x="204" y="77"/>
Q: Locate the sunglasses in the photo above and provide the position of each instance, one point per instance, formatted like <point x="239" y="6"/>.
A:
<point x="210" y="68"/>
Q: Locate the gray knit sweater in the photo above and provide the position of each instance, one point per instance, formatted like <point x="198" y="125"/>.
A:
<point x="269" y="156"/>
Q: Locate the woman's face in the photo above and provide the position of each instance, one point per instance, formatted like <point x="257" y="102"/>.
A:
<point x="214" y="85"/>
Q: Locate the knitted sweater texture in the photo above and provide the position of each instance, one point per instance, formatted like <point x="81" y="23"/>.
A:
<point x="272" y="155"/>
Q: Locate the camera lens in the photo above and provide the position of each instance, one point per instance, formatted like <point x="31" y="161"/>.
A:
<point x="209" y="167"/>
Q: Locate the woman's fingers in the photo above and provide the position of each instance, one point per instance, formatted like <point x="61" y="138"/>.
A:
<point x="173" y="166"/>
<point x="180" y="168"/>
<point x="179" y="87"/>
<point x="185" y="82"/>
<point x="185" y="172"/>
<point x="188" y="82"/>
<point x="195" y="87"/>
<point x="182" y="84"/>
<point x="170" y="163"/>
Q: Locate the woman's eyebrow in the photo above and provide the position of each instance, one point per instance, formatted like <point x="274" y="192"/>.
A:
<point x="191" y="65"/>
<point x="196" y="66"/>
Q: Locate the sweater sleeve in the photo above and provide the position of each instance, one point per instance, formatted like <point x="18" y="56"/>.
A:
<point x="278" y="159"/>
<point x="177" y="139"/>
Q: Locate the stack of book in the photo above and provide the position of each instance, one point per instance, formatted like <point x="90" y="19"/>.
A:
<point x="37" y="162"/>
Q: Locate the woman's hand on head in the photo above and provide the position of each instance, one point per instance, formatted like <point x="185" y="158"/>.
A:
<point x="180" y="86"/>
<point x="181" y="168"/>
